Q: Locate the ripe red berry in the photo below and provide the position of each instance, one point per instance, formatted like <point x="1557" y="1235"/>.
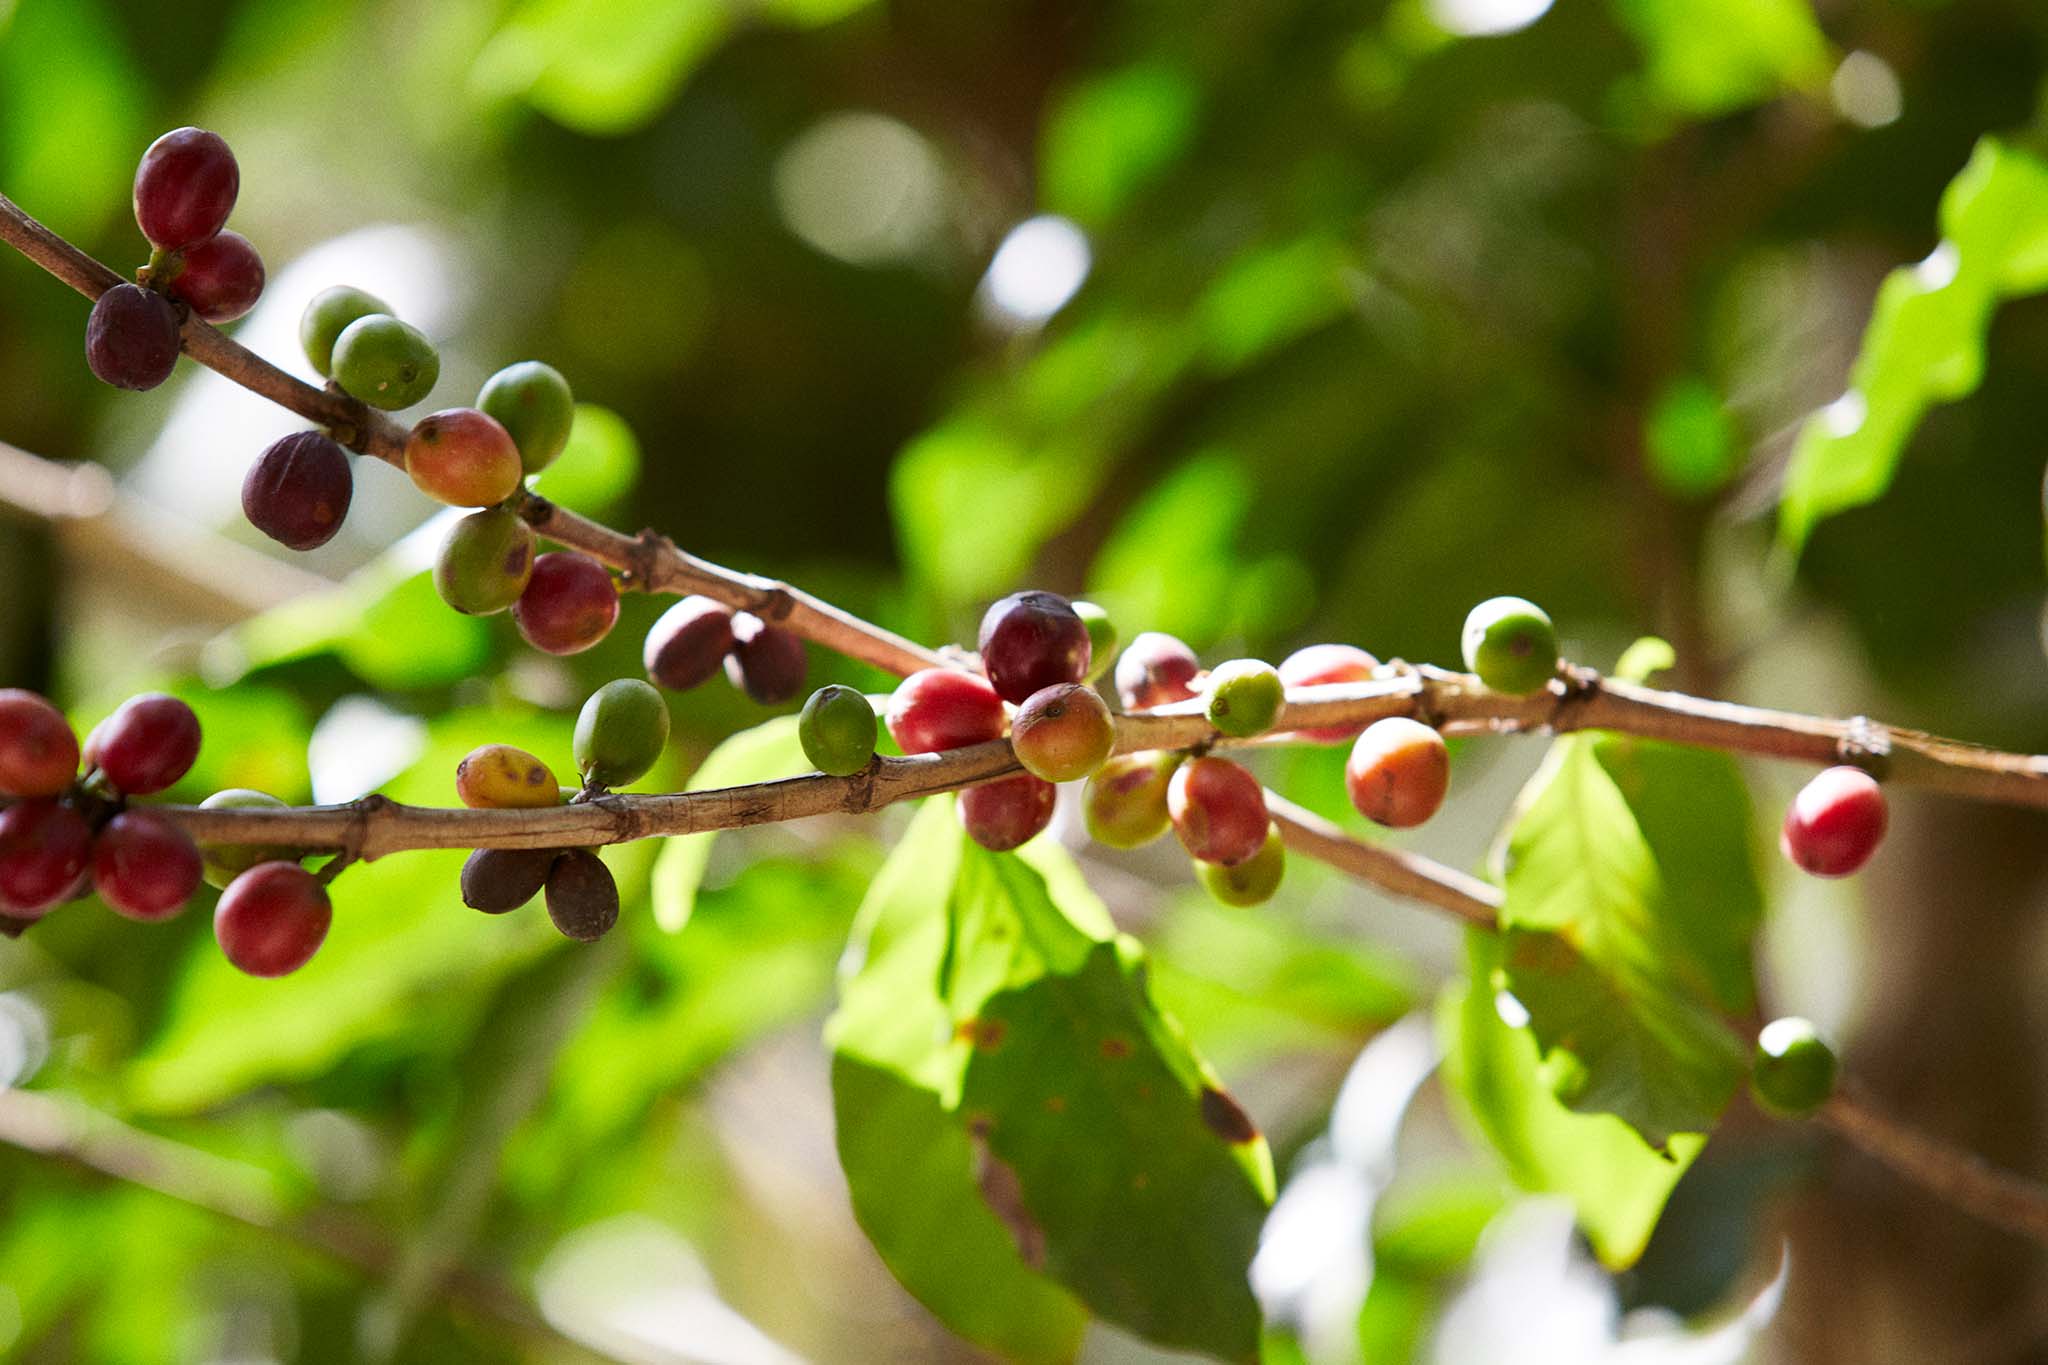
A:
<point x="45" y="848"/>
<point x="1319" y="665"/>
<point x="496" y="880"/>
<point x="583" y="900"/>
<point x="185" y="187"/>
<point x="38" y="751"/>
<point x="1155" y="670"/>
<point x="299" y="489"/>
<point x="767" y="662"/>
<point x="1063" y="732"/>
<point x="569" y="603"/>
<point x="1398" y="772"/>
<point x="131" y="339"/>
<point x="1217" y="809"/>
<point x="222" y="277"/>
<point x="272" y="919"/>
<point x="943" y="708"/>
<point x="1030" y="641"/>
<point x="146" y="745"/>
<point x="1835" y="823"/>
<point x="463" y="458"/>
<point x="1003" y="814"/>
<point x="687" y="644"/>
<point x="144" y="866"/>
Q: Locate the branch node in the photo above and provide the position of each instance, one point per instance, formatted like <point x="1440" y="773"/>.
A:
<point x="1423" y="704"/>
<point x="1576" y="686"/>
<point x="649" y="549"/>
<point x="1866" y="744"/>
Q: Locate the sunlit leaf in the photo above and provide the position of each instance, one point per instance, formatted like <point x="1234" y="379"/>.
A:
<point x="597" y="468"/>
<point x="1107" y="139"/>
<point x="600" y="70"/>
<point x="71" y="108"/>
<point x="1709" y="57"/>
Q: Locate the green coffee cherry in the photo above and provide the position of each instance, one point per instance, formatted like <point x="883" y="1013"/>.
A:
<point x="1102" y="639"/>
<point x="1245" y="696"/>
<point x="620" y="733"/>
<point x="222" y="863"/>
<point x="838" y="730"/>
<point x="328" y="315"/>
<point x="1251" y="882"/>
<point x="533" y="402"/>
<point x="1510" y="643"/>
<point x="1124" y="805"/>
<point x="386" y="363"/>
<point x="485" y="562"/>
<point x="1793" y="1071"/>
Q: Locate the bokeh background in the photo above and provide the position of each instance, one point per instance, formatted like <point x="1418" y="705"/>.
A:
<point x="1262" y="323"/>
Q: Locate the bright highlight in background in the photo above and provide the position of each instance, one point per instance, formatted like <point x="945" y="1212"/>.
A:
<point x="862" y="187"/>
<point x="1477" y="18"/>
<point x="1036" y="270"/>
<point x="1866" y="90"/>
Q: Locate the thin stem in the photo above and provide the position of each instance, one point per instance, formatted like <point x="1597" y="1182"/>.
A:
<point x="1957" y="1177"/>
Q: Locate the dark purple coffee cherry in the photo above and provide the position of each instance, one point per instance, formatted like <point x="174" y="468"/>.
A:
<point x="1031" y="641"/>
<point x="766" y="662"/>
<point x="222" y="277"/>
<point x="299" y="489"/>
<point x="688" y="643"/>
<point x="583" y="900"/>
<point x="495" y="880"/>
<point x="131" y="339"/>
<point x="185" y="187"/>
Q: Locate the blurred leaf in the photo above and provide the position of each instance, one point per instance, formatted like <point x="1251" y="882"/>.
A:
<point x="1690" y="439"/>
<point x="768" y="751"/>
<point x="1108" y="138"/>
<point x="1645" y="659"/>
<point x="1269" y="297"/>
<point x="1172" y="560"/>
<point x="597" y="468"/>
<point x="71" y="108"/>
<point x="1711" y="57"/>
<point x="601" y="70"/>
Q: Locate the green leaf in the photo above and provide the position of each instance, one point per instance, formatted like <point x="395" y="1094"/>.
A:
<point x="1645" y="659"/>
<point x="604" y="71"/>
<point x="1710" y="57"/>
<point x="1690" y="440"/>
<point x="597" y="468"/>
<point x="1109" y="138"/>
<point x="768" y="751"/>
<point x="71" y="102"/>
<point x="1617" y="1183"/>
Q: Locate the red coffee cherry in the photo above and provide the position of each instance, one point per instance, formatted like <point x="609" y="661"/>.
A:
<point x="1217" y="809"/>
<point x="688" y="643"/>
<point x="45" y="848"/>
<point x="222" y="277"/>
<point x="272" y="919"/>
<point x="1835" y="823"/>
<point x="1010" y="811"/>
<point x="496" y="880"/>
<point x="1155" y="670"/>
<point x="569" y="603"/>
<point x="1063" y="732"/>
<point x="1031" y="641"/>
<point x="144" y="866"/>
<point x="943" y="708"/>
<point x="38" y="751"/>
<point x="146" y="745"/>
<point x="464" y="458"/>
<point x="583" y="900"/>
<point x="185" y="187"/>
<point x="299" y="489"/>
<point x="767" y="662"/>
<point x="1398" y="772"/>
<point x="131" y="339"/>
<point x="1319" y="665"/>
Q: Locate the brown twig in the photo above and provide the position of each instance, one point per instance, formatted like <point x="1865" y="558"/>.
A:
<point x="1950" y="1173"/>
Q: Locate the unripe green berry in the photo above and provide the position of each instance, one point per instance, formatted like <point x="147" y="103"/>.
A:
<point x="838" y="730"/>
<point x="1510" y="643"/>
<point x="1793" y="1071"/>
<point x="328" y="316"/>
<point x="1102" y="639"/>
<point x="1251" y="882"/>
<point x="485" y="562"/>
<point x="533" y="402"/>
<point x="1245" y="697"/>
<point x="620" y="733"/>
<point x="1124" y="805"/>
<point x="222" y="863"/>
<point x="386" y="363"/>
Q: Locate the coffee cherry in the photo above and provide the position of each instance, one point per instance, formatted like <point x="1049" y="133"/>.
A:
<point x="1125" y="803"/>
<point x="1793" y="1070"/>
<point x="568" y="605"/>
<point x="222" y="863"/>
<point x="688" y="643"/>
<point x="386" y="363"/>
<point x="767" y="662"/>
<point x="299" y="489"/>
<point x="583" y="900"/>
<point x="328" y="316"/>
<point x="1007" y="812"/>
<point x="620" y="733"/>
<point x="1030" y="641"/>
<point x="462" y="457"/>
<point x="1217" y="809"/>
<point x="1102" y="638"/>
<point x="500" y="777"/>
<point x="131" y="339"/>
<point x="221" y="278"/>
<point x="144" y="866"/>
<point x="1155" y="670"/>
<point x="45" y="848"/>
<point x="495" y="880"/>
<point x="1319" y="665"/>
<point x="838" y="731"/>
<point x="185" y="188"/>
<point x="38" y="751"/>
<point x="1510" y="643"/>
<point x="1063" y="732"/>
<point x="1835" y="823"/>
<point x="272" y="919"/>
<point x="1251" y="882"/>
<point x="532" y="401"/>
<point x="943" y="708"/>
<point x="1398" y="772"/>
<point x="147" y="744"/>
<point x="1244" y="697"/>
<point x="485" y="562"/>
